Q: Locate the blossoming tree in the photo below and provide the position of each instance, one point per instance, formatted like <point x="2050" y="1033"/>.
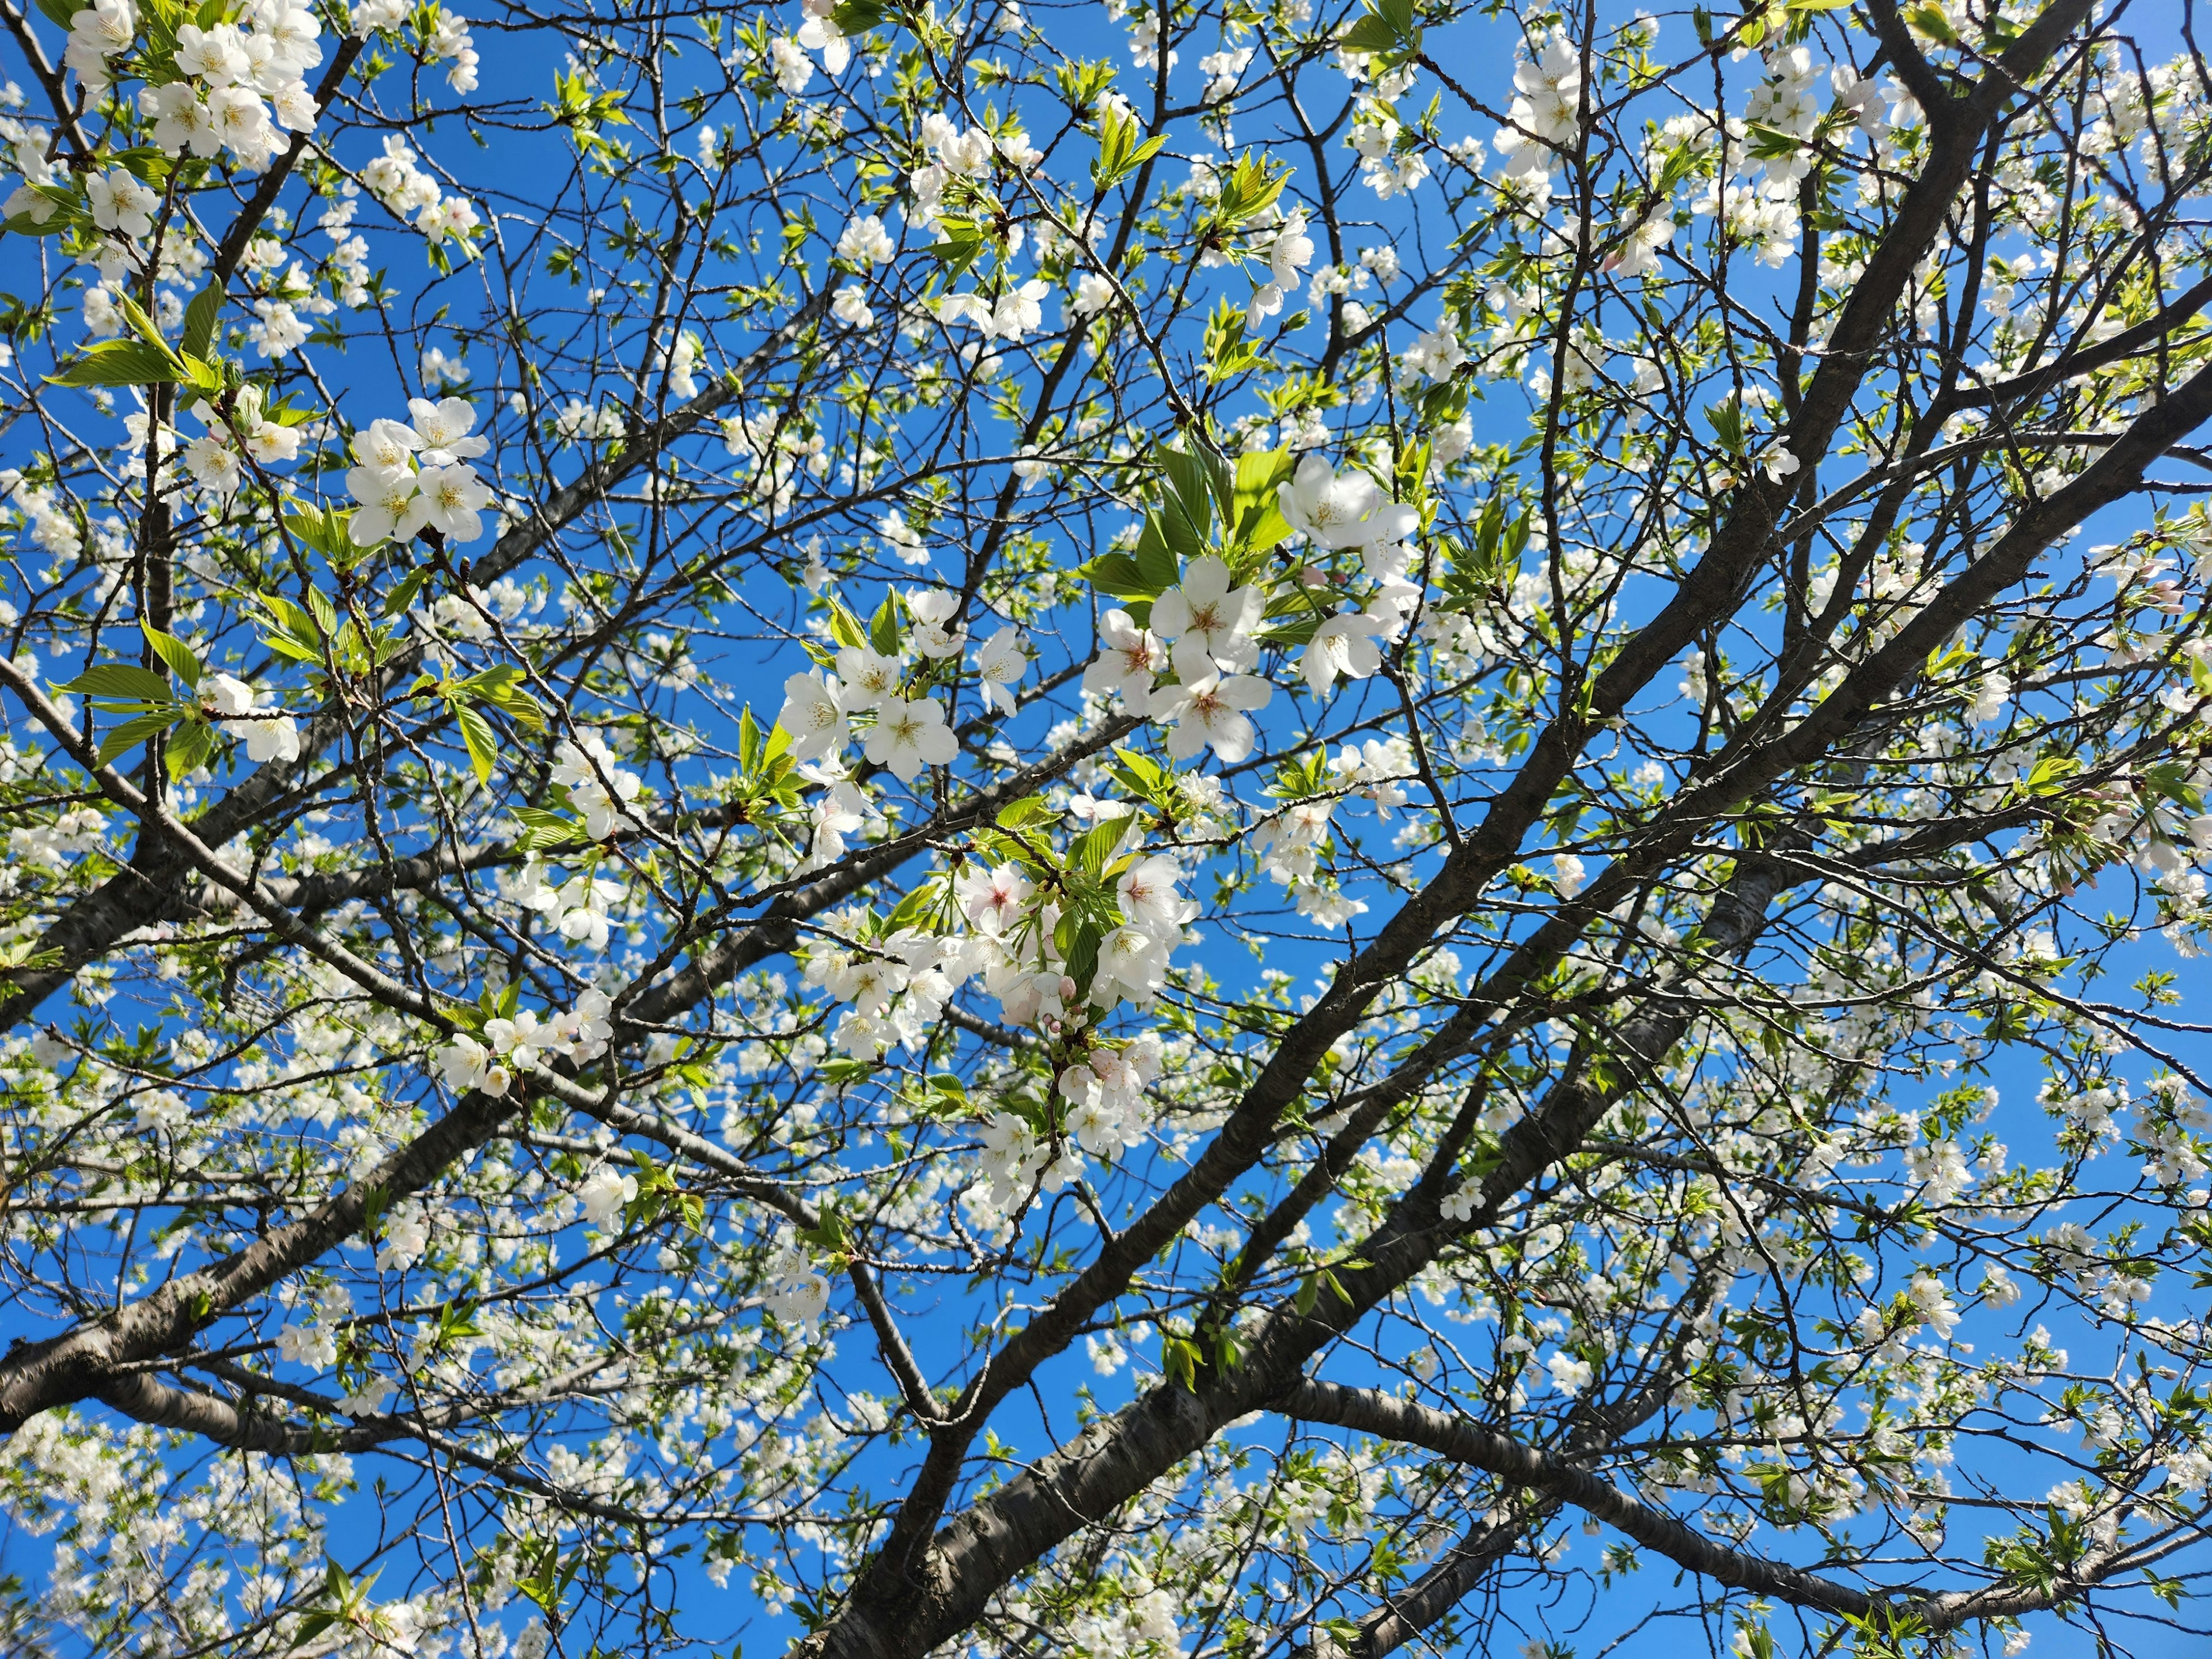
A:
<point x="1216" y="829"/>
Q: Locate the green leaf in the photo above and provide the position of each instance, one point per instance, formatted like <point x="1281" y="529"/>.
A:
<point x="297" y="650"/>
<point x="845" y="627"/>
<point x="1116" y="574"/>
<point x="123" y="362"/>
<point x="1931" y="22"/>
<point x="135" y="314"/>
<point x="65" y="211"/>
<point x="1157" y="566"/>
<point x="749" y="741"/>
<point x="134" y="731"/>
<point x="1251" y="186"/>
<point x="1083" y="957"/>
<point x="502" y="687"/>
<point x="1096" y="846"/>
<point x="857" y="16"/>
<point x="963" y="245"/>
<point x="1118" y="152"/>
<point x="1029" y="809"/>
<point x="1258" y="519"/>
<point x="180" y="658"/>
<point x="122" y="683"/>
<point x="1189" y="503"/>
<point x="291" y="618"/>
<point x="541" y="827"/>
<point x="404" y="595"/>
<point x="1369" y="33"/>
<point x="189" y="749"/>
<point x="146" y="164"/>
<point x="1179" y="1361"/>
<point x="1389" y="29"/>
<point x="2048" y="775"/>
<point x="325" y="529"/>
<point x="884" y="628"/>
<point x="482" y="740"/>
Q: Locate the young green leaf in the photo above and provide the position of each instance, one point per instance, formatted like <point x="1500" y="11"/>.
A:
<point x="182" y="662"/>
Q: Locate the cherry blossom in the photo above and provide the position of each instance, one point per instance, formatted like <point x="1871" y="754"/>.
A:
<point x="909" y="736"/>
<point x="1209" y="712"/>
<point x="1210" y="624"/>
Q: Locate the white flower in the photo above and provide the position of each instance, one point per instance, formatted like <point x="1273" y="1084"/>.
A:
<point x="965" y="308"/>
<point x="213" y="464"/>
<point x="242" y="712"/>
<point x="1991" y="694"/>
<point x="904" y="539"/>
<point x="243" y="120"/>
<point x="797" y="1294"/>
<point x="992" y="902"/>
<point x="385" y="446"/>
<point x="1435" y="356"/>
<point x="1210" y="712"/>
<point x="119" y="202"/>
<point x="1129" y="659"/>
<point x="1011" y="1154"/>
<point x="269" y="737"/>
<point x="1291" y="252"/>
<point x="859" y="1037"/>
<point x="582" y="1032"/>
<point x="1131" y="964"/>
<point x="605" y="1192"/>
<point x="1149" y="899"/>
<point x="1093" y="294"/>
<point x="211" y="55"/>
<point x="1001" y="664"/>
<point x="1210" y="622"/>
<point x="820" y="32"/>
<point x="517" y="1039"/>
<point x="406" y="1236"/>
<point x="1344" y="644"/>
<point x="97" y="34"/>
<point x="270" y="443"/>
<point x="1018" y="310"/>
<point x="595" y="785"/>
<point x="1934" y="1303"/>
<point x="181" y="122"/>
<point x="794" y="68"/>
<point x="1346" y="510"/>
<point x="1569" y="1374"/>
<point x="933" y="608"/>
<point x="315" y="1346"/>
<point x="383" y="496"/>
<point x="1547" y="108"/>
<point x="865" y="241"/>
<point x="909" y="736"/>
<point x="867" y="675"/>
<point x="370" y="1399"/>
<point x="466" y="1064"/>
<point x="813" y="716"/>
<point x="449" y="500"/>
<point x="443" y="428"/>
